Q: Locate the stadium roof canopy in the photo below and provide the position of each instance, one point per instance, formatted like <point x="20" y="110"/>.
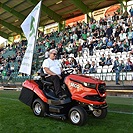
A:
<point x="13" y="12"/>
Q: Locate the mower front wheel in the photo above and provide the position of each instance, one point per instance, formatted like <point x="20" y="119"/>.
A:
<point x="100" y="113"/>
<point x="78" y="115"/>
<point x="39" y="107"/>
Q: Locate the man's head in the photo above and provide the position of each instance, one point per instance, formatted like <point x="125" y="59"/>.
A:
<point x="116" y="57"/>
<point x="52" y="54"/>
<point x="93" y="63"/>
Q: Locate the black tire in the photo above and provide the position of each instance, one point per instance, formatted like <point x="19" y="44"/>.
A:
<point x="39" y="107"/>
<point x="78" y="115"/>
<point x="100" y="113"/>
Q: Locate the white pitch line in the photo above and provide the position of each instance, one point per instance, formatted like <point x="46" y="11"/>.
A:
<point x="119" y="112"/>
<point x="13" y="99"/>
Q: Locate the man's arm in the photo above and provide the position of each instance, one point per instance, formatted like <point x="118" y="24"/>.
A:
<point x="48" y="71"/>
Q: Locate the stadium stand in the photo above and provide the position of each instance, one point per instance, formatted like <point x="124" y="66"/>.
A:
<point x="89" y="49"/>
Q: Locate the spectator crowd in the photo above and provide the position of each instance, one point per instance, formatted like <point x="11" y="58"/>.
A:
<point x="112" y="32"/>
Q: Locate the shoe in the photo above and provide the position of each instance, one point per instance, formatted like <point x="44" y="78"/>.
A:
<point x="117" y="83"/>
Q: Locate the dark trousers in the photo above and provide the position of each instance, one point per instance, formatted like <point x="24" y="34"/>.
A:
<point x="117" y="76"/>
<point x="57" y="83"/>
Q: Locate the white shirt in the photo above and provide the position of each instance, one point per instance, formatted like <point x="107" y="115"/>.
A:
<point x="46" y="54"/>
<point x="81" y="41"/>
<point x="53" y="65"/>
<point x="90" y="39"/>
<point x="122" y="36"/>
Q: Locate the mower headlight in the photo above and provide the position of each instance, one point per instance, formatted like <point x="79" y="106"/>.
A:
<point x="85" y="84"/>
<point x="102" y="88"/>
<point x="89" y="85"/>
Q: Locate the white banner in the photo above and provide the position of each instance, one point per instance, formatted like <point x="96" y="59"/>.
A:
<point x="30" y="27"/>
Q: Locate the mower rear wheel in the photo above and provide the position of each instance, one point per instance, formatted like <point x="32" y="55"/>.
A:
<point x="100" y="113"/>
<point x="39" y="107"/>
<point x="78" y="115"/>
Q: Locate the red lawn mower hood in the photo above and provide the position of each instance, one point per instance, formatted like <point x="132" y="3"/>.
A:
<point x="84" y="78"/>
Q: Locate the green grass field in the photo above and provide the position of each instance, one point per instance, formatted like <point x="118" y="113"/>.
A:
<point x="16" y="117"/>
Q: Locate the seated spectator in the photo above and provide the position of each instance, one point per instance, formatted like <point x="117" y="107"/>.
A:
<point x="129" y="35"/>
<point x="84" y="35"/>
<point x="18" y="58"/>
<point x="47" y="43"/>
<point x="104" y="44"/>
<point x="79" y="50"/>
<point x="86" y="67"/>
<point x="131" y="52"/>
<point x="1" y="57"/>
<point x="93" y="68"/>
<point x="78" y="69"/>
<point x="74" y="50"/>
<point x="102" y="60"/>
<point x="47" y="53"/>
<point x="68" y="49"/>
<point x="125" y="46"/>
<point x="109" y="31"/>
<point x="120" y="47"/>
<point x="122" y="66"/>
<point x="1" y="68"/>
<point x="4" y="72"/>
<point x="99" y="44"/>
<point x="7" y="66"/>
<point x="129" y="65"/>
<point x="12" y="68"/>
<point x="73" y="62"/>
<point x="122" y="36"/>
<point x="66" y="63"/>
<point x="115" y="47"/>
<point x="114" y="17"/>
<point x="117" y="32"/>
<point x="84" y="46"/>
<point x="75" y="36"/>
<point x="109" y="43"/>
<point x="108" y="61"/>
<point x="132" y="38"/>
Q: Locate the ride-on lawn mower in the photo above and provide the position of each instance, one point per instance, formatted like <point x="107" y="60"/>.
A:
<point x="85" y="95"/>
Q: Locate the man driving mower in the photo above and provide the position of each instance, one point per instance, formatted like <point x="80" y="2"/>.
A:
<point x="52" y="68"/>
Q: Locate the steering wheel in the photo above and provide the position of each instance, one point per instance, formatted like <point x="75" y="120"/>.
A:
<point x="68" y="71"/>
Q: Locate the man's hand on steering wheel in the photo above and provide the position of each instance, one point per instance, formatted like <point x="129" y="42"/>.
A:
<point x="67" y="71"/>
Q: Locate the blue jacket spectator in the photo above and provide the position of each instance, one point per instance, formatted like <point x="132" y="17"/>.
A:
<point x="117" y="70"/>
<point x="109" y="31"/>
<point x="109" y="44"/>
<point x="108" y="61"/>
<point x="129" y="65"/>
<point x="86" y="67"/>
<point x="93" y="68"/>
<point x="102" y="60"/>
<point x="131" y="12"/>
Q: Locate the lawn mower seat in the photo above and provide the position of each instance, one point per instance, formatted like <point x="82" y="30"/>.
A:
<point x="47" y="83"/>
<point x="43" y="78"/>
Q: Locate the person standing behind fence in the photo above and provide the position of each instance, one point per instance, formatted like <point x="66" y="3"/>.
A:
<point x="116" y="69"/>
<point x="131" y="11"/>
